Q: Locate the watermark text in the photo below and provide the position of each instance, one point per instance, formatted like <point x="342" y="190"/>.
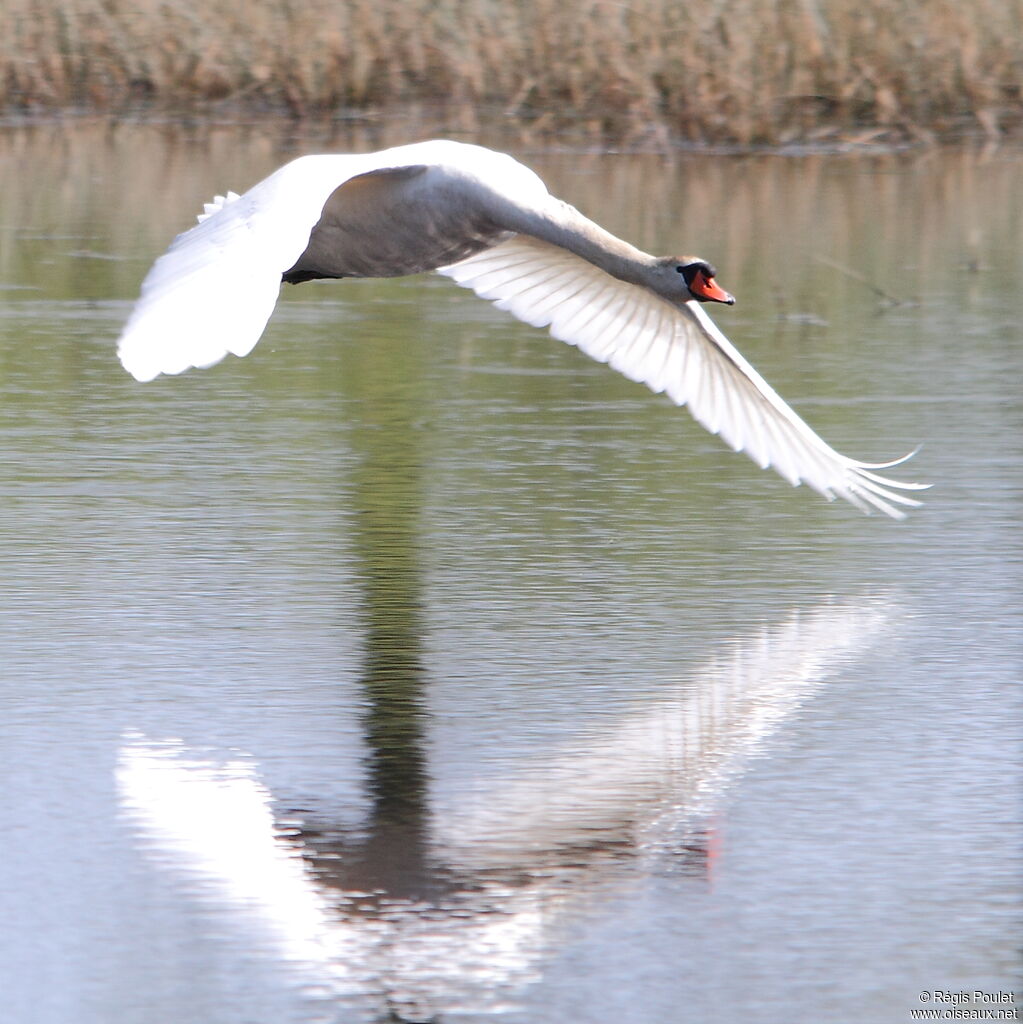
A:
<point x="961" y="1004"/>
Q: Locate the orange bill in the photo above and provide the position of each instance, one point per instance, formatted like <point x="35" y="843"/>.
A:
<point x="707" y="289"/>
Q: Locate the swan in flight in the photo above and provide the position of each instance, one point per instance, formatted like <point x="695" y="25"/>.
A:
<point x="489" y="223"/>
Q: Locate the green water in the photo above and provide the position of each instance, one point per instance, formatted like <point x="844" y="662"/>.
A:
<point x="416" y="664"/>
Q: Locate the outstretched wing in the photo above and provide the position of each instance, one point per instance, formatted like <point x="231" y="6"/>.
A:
<point x="214" y="289"/>
<point x="674" y="349"/>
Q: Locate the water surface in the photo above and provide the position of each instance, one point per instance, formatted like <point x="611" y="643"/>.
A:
<point x="417" y="668"/>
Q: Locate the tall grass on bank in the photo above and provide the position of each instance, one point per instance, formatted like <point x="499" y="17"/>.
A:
<point x="744" y="71"/>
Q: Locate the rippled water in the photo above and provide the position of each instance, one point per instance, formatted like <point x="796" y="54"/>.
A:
<point x="415" y="668"/>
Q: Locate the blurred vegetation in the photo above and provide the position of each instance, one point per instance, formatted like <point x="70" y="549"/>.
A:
<point x="735" y="72"/>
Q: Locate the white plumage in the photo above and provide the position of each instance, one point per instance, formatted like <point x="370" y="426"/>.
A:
<point x="486" y="221"/>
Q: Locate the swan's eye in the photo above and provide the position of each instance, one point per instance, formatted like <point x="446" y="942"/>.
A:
<point x="680" y="270"/>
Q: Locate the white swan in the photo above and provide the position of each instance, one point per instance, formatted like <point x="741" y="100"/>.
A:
<point x="488" y="222"/>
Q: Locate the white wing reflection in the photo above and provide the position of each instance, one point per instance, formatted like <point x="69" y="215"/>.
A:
<point x="664" y="765"/>
<point x="518" y="852"/>
<point x="213" y="821"/>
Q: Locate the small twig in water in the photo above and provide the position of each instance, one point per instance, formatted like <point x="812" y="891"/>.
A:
<point x="886" y="298"/>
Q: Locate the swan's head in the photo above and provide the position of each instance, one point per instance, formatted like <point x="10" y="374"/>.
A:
<point x="696" y="278"/>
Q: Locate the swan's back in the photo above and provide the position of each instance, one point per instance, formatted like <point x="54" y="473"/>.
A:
<point x="214" y="289"/>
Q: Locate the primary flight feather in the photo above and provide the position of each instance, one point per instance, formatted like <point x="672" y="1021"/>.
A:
<point x="489" y="223"/>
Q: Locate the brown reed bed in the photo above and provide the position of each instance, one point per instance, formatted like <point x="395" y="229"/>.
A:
<point x="730" y="72"/>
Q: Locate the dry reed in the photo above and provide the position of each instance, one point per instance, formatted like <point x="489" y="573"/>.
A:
<point x="737" y="71"/>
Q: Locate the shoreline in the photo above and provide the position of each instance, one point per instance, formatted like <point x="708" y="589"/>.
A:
<point x="443" y="121"/>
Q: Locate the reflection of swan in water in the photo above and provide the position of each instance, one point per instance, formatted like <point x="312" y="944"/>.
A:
<point x="667" y="763"/>
<point x="520" y="849"/>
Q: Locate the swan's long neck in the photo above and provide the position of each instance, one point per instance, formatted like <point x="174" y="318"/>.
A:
<point x="563" y="225"/>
